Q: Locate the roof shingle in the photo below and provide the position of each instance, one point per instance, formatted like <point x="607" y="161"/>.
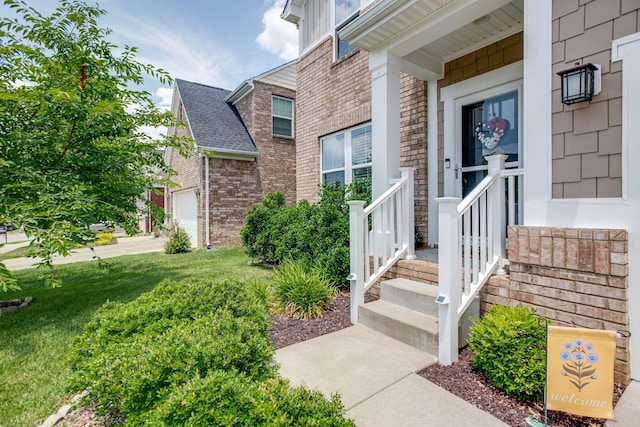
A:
<point x="214" y="123"/>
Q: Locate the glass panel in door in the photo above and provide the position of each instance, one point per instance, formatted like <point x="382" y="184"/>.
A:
<point x="488" y="127"/>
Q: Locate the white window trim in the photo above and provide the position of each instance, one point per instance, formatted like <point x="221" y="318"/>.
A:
<point x="348" y="167"/>
<point x="339" y="25"/>
<point x="273" y="114"/>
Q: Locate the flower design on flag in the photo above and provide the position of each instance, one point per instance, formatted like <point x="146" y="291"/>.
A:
<point x="578" y="363"/>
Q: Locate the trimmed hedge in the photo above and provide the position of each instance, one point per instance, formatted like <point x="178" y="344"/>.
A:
<point x="227" y="399"/>
<point x="191" y="353"/>
<point x="130" y="355"/>
<point x="509" y="347"/>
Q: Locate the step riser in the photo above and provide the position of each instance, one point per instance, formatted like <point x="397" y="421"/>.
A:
<point x="419" y="302"/>
<point x="400" y="331"/>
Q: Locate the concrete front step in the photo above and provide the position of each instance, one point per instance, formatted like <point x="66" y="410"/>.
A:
<point x="411" y="294"/>
<point x="401" y="323"/>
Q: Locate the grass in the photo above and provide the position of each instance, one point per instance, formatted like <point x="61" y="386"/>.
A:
<point x="34" y="341"/>
<point x="15" y="253"/>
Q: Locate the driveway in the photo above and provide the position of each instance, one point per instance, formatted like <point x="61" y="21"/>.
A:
<point x="125" y="246"/>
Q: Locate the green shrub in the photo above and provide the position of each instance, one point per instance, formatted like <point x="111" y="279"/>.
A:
<point x="301" y="291"/>
<point x="179" y="241"/>
<point x="259" y="231"/>
<point x="130" y="356"/>
<point x="509" y="345"/>
<point x="315" y="233"/>
<point x="223" y="398"/>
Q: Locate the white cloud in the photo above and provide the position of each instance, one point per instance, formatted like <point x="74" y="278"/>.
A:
<point x="278" y="36"/>
<point x="184" y="54"/>
<point x="164" y="94"/>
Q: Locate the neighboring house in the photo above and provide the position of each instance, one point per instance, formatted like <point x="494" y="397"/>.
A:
<point x="146" y="220"/>
<point x="438" y="86"/>
<point x="247" y="149"/>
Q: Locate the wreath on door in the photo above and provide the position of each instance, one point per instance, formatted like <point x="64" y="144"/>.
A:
<point x="490" y="132"/>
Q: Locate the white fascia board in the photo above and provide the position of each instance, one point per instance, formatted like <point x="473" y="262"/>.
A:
<point x="240" y="92"/>
<point x="293" y="11"/>
<point x="377" y="14"/>
<point x="221" y="153"/>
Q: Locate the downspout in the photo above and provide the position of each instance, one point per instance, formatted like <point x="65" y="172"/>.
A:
<point x="206" y="201"/>
<point x="432" y="162"/>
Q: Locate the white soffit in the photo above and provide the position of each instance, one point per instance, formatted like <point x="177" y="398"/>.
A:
<point x="450" y="28"/>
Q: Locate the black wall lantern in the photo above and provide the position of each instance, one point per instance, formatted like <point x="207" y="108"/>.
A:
<point x="580" y="83"/>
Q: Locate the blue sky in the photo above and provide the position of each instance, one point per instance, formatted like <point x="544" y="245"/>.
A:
<point x="219" y="43"/>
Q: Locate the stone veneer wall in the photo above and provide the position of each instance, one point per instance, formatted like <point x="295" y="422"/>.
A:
<point x="575" y="277"/>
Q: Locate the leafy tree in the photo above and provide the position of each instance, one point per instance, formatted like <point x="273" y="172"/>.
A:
<point x="72" y="152"/>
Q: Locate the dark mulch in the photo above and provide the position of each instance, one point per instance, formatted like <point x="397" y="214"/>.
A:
<point x="286" y="331"/>
<point x="461" y="380"/>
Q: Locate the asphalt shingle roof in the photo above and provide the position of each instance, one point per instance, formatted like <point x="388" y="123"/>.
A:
<point x="214" y="123"/>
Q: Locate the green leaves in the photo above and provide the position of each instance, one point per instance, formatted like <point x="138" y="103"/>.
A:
<point x="317" y="234"/>
<point x="301" y="291"/>
<point x="70" y="147"/>
<point x="509" y="347"/>
<point x="7" y="280"/>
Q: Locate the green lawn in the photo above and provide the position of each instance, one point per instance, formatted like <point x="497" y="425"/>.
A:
<point x="35" y="340"/>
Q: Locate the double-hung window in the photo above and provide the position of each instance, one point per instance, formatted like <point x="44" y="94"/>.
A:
<point x="282" y="116"/>
<point x="345" y="12"/>
<point x="346" y="155"/>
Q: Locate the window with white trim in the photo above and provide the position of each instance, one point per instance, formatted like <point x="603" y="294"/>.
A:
<point x="282" y="116"/>
<point x="346" y="155"/>
<point x="345" y="11"/>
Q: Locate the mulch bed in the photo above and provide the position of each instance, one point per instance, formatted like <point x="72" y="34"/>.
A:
<point x="459" y="378"/>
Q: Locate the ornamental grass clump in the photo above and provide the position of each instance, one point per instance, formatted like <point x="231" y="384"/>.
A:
<point x="300" y="290"/>
<point x="509" y="347"/>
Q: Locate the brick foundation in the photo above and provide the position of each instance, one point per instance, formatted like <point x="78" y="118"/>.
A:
<point x="575" y="277"/>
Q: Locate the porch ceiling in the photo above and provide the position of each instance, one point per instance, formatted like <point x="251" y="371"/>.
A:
<point x="427" y="31"/>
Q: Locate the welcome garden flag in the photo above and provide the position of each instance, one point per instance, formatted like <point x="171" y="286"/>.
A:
<point x="580" y="371"/>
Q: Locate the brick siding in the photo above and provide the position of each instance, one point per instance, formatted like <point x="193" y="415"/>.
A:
<point x="277" y="155"/>
<point x="575" y="277"/>
<point x="587" y="136"/>
<point x="335" y="95"/>
<point x="236" y="185"/>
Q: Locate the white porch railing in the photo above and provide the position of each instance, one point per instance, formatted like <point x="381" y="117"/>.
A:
<point x="472" y="245"/>
<point x="380" y="235"/>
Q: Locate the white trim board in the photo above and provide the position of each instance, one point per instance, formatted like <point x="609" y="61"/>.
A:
<point x="477" y="88"/>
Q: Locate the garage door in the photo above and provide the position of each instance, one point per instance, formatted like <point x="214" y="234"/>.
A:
<point x="185" y="211"/>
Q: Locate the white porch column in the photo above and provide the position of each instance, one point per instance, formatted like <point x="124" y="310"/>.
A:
<point x="385" y="114"/>
<point x="627" y="49"/>
<point x="432" y="161"/>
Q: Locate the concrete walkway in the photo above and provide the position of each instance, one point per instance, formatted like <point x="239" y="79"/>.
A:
<point x="376" y="376"/>
<point x="627" y="411"/>
<point x="125" y="246"/>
